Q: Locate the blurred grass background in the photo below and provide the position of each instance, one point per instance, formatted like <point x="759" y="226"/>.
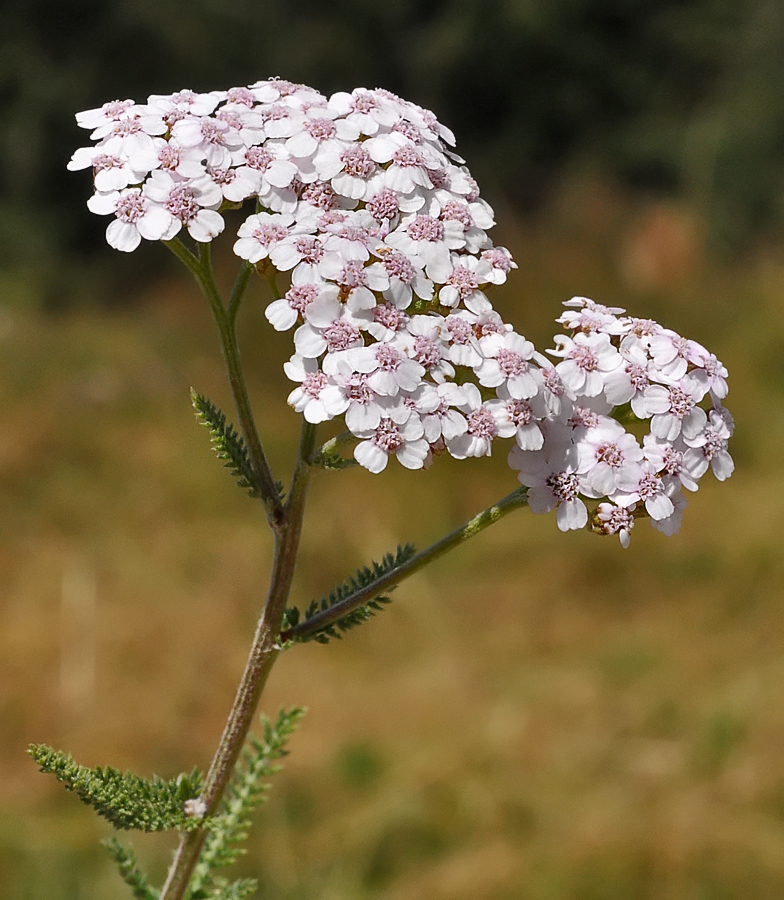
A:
<point x="538" y="716"/>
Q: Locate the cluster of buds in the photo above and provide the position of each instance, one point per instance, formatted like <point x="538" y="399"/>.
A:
<point x="382" y="235"/>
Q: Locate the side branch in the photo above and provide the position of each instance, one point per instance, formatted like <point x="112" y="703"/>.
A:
<point x="517" y="499"/>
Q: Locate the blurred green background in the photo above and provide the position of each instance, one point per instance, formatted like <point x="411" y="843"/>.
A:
<point x="538" y="716"/>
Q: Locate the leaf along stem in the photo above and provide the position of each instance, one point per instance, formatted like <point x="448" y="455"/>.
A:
<point x="517" y="499"/>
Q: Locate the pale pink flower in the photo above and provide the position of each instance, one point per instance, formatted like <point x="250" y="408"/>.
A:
<point x="189" y="203"/>
<point x="404" y="439"/>
<point x="136" y="218"/>
<point x="612" y="519"/>
<point x="587" y="360"/>
<point x="674" y="408"/>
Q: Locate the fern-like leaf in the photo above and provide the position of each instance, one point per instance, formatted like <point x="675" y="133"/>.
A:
<point x="361" y="579"/>
<point x="333" y="461"/>
<point x="245" y="792"/>
<point x="229" y="446"/>
<point x="237" y="890"/>
<point x="124" y="799"/>
<point x="125" y="860"/>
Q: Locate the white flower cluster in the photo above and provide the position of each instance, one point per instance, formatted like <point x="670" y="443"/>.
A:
<point x="383" y="233"/>
<point x="614" y="368"/>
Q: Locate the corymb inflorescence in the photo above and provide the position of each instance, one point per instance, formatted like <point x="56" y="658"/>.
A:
<point x="382" y="234"/>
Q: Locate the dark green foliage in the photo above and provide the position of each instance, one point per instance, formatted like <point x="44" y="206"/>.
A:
<point x="125" y="859"/>
<point x="361" y="579"/>
<point x="227" y="443"/>
<point x="245" y="792"/>
<point x="333" y="461"/>
<point x="124" y="799"/>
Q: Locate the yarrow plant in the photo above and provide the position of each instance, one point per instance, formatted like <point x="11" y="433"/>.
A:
<point x="372" y="235"/>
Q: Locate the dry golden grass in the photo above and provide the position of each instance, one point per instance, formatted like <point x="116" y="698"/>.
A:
<point x="539" y="716"/>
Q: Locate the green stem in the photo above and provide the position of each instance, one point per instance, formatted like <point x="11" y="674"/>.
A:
<point x="201" y="268"/>
<point x="517" y="499"/>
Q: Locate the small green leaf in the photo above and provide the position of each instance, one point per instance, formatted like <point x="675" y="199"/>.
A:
<point x="126" y="800"/>
<point x="228" y="444"/>
<point x="361" y="579"/>
<point x="125" y="860"/>
<point x="246" y="791"/>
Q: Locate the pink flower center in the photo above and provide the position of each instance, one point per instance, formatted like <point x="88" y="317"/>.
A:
<point x="364" y="103"/>
<point x="389" y="316"/>
<point x="650" y="485"/>
<point x="409" y="130"/>
<point x="454" y="211"/>
<point x="643" y="327"/>
<point x="564" y="486"/>
<point x="583" y="417"/>
<point x="341" y="336"/>
<point x="258" y="158"/>
<point x="388" y="357"/>
<point x="637" y="376"/>
<point x="353" y="274"/>
<point x="552" y="381"/>
<point x="268" y="233"/>
<point x="427" y="352"/>
<point x="399" y="266"/>
<point x="482" y="423"/>
<point x="585" y="358"/>
<point x="310" y="249"/>
<point x="182" y="204"/>
<point x="407" y="158"/>
<point x="300" y="296"/>
<point x="610" y="454"/>
<point x="511" y="363"/>
<point x="425" y="228"/>
<point x="498" y="259"/>
<point x="125" y="127"/>
<point x="242" y="96"/>
<point x="357" y="390"/>
<point x="116" y="108"/>
<point x="321" y="129"/>
<point x="673" y="461"/>
<point x="388" y="437"/>
<point x="463" y="281"/>
<point x="314" y="383"/>
<point x="357" y="162"/>
<point x="713" y="444"/>
<point x="384" y="205"/>
<point x="320" y="195"/>
<point x="131" y="207"/>
<point x="519" y="412"/>
<point x="213" y="132"/>
<point x="169" y="157"/>
<point x="104" y="161"/>
<point x="223" y="176"/>
<point x="681" y="403"/>
<point x="460" y="331"/>
<point x="616" y="519"/>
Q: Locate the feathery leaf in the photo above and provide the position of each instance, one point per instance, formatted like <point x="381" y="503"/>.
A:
<point x="125" y="860"/>
<point x="124" y="799"/>
<point x="228" y="444"/>
<point x="245" y="792"/>
<point x="361" y="579"/>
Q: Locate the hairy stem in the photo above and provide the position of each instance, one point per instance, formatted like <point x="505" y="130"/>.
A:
<point x="264" y="652"/>
<point x="515" y="500"/>
<point x="225" y="318"/>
